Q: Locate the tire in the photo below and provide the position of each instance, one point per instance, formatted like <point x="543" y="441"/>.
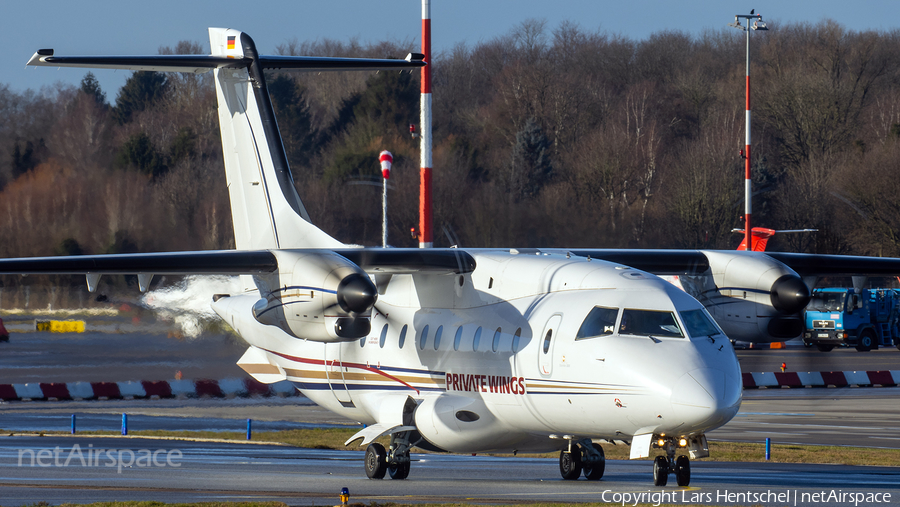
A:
<point x="825" y="348"/>
<point x="570" y="465"/>
<point x="594" y="471"/>
<point x="867" y="341"/>
<point x="399" y="471"/>
<point x="660" y="471"/>
<point x="376" y="461"/>
<point x="683" y="470"/>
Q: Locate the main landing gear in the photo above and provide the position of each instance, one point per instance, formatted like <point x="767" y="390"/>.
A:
<point x="582" y="456"/>
<point x="680" y="467"/>
<point x="394" y="461"/>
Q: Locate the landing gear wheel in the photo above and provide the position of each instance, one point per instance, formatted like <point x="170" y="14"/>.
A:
<point x="570" y="465"/>
<point x="376" y="461"/>
<point x="399" y="470"/>
<point x="866" y="341"/>
<point x="660" y="471"/>
<point x="825" y="348"/>
<point x="683" y="470"/>
<point x="593" y="470"/>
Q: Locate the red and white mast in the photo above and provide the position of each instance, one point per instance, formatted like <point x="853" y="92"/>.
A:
<point x="425" y="237"/>
<point x="758" y="24"/>
<point x="748" y="207"/>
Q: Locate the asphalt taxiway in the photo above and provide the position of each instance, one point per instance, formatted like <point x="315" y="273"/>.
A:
<point x="202" y="471"/>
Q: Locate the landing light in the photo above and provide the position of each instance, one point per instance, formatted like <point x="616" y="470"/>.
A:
<point x="682" y="442"/>
<point x="661" y="442"/>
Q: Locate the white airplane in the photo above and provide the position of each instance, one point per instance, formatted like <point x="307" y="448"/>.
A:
<point x="461" y="350"/>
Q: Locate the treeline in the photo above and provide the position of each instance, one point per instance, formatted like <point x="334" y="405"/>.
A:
<point x="546" y="136"/>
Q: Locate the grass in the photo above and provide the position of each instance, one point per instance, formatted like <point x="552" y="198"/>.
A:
<point x="334" y="438"/>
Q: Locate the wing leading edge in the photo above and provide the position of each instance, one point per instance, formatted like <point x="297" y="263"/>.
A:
<point x="237" y="262"/>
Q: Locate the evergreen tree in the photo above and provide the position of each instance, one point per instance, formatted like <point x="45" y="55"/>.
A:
<point x="531" y="167"/>
<point x="91" y="88"/>
<point x="294" y="120"/>
<point x="140" y="91"/>
<point x="139" y="152"/>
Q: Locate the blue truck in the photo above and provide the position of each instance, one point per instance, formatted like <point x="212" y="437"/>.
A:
<point x="865" y="319"/>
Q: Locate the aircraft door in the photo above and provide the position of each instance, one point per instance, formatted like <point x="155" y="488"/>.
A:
<point x="545" y="345"/>
<point x="335" y="372"/>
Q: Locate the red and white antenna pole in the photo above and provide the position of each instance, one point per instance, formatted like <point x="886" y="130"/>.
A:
<point x="425" y="237"/>
<point x="758" y="24"/>
<point x="748" y="206"/>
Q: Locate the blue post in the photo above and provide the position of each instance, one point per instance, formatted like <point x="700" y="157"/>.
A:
<point x="73" y="424"/>
<point x="124" y="423"/>
<point x="768" y="448"/>
<point x="248" y="429"/>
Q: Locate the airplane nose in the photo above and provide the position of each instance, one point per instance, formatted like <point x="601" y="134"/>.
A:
<point x="706" y="398"/>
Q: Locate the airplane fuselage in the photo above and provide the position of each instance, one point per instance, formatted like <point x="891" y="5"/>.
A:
<point x="492" y="361"/>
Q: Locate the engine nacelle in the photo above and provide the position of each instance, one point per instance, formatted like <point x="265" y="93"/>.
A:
<point x="756" y="296"/>
<point x="315" y="295"/>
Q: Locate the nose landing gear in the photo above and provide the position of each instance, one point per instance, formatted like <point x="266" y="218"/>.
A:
<point x="663" y="466"/>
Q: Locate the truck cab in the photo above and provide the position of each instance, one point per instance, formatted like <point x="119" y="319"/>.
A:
<point x="844" y="317"/>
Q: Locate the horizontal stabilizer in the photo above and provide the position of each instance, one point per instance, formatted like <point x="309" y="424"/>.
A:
<point x="199" y="64"/>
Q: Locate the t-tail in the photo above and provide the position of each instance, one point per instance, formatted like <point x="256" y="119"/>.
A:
<point x="759" y="237"/>
<point x="266" y="209"/>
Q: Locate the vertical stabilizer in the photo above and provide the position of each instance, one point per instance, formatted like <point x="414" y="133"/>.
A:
<point x="265" y="207"/>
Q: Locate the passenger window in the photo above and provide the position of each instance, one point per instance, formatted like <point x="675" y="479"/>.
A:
<point x="476" y="339"/>
<point x="698" y="323"/>
<point x="496" y="343"/>
<point x="599" y="322"/>
<point x="402" y="336"/>
<point x="423" y="338"/>
<point x="516" y="338"/>
<point x="383" y="336"/>
<point x="650" y="323"/>
<point x="547" y="340"/>
<point x="437" y="337"/>
<point x="458" y="338"/>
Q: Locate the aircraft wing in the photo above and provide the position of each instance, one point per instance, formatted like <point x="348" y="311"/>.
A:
<point x="199" y="64"/>
<point x="695" y="262"/>
<point x="814" y="264"/>
<point x="659" y="262"/>
<point x="238" y="262"/>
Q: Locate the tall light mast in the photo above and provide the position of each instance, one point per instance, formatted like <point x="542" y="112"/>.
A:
<point x="425" y="237"/>
<point x="758" y="24"/>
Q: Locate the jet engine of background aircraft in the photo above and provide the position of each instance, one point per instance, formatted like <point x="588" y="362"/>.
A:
<point x="319" y="296"/>
<point x="753" y="297"/>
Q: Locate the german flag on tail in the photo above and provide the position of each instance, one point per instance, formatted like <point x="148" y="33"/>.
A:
<point x="231" y="42"/>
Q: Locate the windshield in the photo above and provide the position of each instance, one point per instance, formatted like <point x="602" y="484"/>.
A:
<point x="827" y="302"/>
<point x="600" y="322"/>
<point x="650" y="323"/>
<point x="697" y="323"/>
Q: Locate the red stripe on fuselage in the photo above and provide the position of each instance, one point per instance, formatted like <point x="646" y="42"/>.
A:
<point x="351" y="365"/>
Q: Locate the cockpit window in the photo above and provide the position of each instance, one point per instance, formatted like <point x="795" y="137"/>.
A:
<point x="650" y="323"/>
<point x="600" y="322"/>
<point x="698" y="323"/>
